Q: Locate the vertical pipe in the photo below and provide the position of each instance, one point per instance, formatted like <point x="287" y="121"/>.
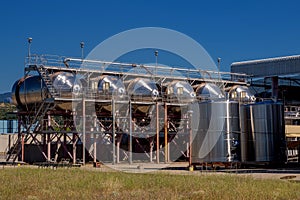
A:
<point x="83" y="130"/>
<point x="228" y="132"/>
<point x="113" y="132"/>
<point x="157" y="133"/>
<point x="166" y="132"/>
<point x="275" y="87"/>
<point x="130" y="133"/>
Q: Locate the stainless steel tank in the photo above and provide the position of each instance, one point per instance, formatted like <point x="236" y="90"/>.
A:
<point x="27" y="91"/>
<point x="142" y="89"/>
<point x="110" y="87"/>
<point x="241" y="93"/>
<point x="263" y="135"/>
<point x="180" y="91"/>
<point x="31" y="90"/>
<point x="180" y="95"/>
<point x="217" y="138"/>
<point x="143" y="92"/>
<point x="209" y="91"/>
<point x="66" y="84"/>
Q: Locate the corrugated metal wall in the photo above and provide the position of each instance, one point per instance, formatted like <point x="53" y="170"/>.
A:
<point x="288" y="65"/>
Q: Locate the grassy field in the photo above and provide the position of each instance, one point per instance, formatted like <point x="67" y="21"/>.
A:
<point x="33" y="183"/>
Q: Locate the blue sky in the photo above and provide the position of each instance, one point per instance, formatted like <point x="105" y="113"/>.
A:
<point x="232" y="30"/>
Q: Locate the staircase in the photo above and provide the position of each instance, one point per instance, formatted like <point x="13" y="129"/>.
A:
<point x="34" y="122"/>
<point x="15" y="150"/>
<point x="48" y="81"/>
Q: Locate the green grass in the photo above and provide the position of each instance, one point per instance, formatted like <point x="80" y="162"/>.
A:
<point x="33" y="183"/>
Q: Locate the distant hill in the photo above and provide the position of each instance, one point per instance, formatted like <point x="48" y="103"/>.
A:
<point x="5" y="97"/>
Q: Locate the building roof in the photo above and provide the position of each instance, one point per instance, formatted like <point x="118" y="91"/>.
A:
<point x="279" y="66"/>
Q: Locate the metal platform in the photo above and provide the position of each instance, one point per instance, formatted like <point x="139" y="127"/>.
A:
<point x="52" y="130"/>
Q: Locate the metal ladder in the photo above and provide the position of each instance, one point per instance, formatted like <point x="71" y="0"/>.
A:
<point x="47" y="80"/>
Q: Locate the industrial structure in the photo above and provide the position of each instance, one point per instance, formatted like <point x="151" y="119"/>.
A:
<point x="77" y="110"/>
<point x="278" y="79"/>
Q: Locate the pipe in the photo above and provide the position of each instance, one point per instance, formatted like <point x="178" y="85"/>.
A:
<point x="275" y="87"/>
<point x="66" y="60"/>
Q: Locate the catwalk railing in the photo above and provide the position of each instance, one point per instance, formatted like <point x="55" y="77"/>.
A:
<point x="154" y="71"/>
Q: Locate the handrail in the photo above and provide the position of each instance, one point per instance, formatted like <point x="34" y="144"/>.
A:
<point x="152" y="70"/>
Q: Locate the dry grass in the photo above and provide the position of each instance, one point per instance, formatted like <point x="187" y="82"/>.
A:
<point x="32" y="183"/>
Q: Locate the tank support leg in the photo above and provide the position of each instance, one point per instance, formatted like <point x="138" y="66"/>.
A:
<point x="74" y="147"/>
<point x="83" y="130"/>
<point x="166" y="132"/>
<point x="23" y="146"/>
<point x="157" y="133"/>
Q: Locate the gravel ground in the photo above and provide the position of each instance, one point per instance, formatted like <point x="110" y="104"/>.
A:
<point x="182" y="168"/>
<point x="291" y="174"/>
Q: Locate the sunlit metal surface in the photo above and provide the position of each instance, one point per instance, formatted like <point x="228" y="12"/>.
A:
<point x="181" y="91"/>
<point x="263" y="135"/>
<point x="217" y="139"/>
<point x="209" y="91"/>
<point x="241" y="93"/>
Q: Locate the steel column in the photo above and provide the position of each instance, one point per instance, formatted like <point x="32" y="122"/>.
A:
<point x="157" y="133"/>
<point x="113" y="132"/>
<point x="130" y="133"/>
<point x="166" y="133"/>
<point x="83" y="130"/>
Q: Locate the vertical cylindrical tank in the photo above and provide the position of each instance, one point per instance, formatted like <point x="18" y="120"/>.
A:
<point x="263" y="135"/>
<point x="217" y="138"/>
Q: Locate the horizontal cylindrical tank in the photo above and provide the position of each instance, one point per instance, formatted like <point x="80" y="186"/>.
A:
<point x="28" y="91"/>
<point x="217" y="138"/>
<point x="262" y="132"/>
<point x="31" y="90"/>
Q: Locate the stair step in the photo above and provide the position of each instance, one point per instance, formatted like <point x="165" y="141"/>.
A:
<point x="48" y="82"/>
